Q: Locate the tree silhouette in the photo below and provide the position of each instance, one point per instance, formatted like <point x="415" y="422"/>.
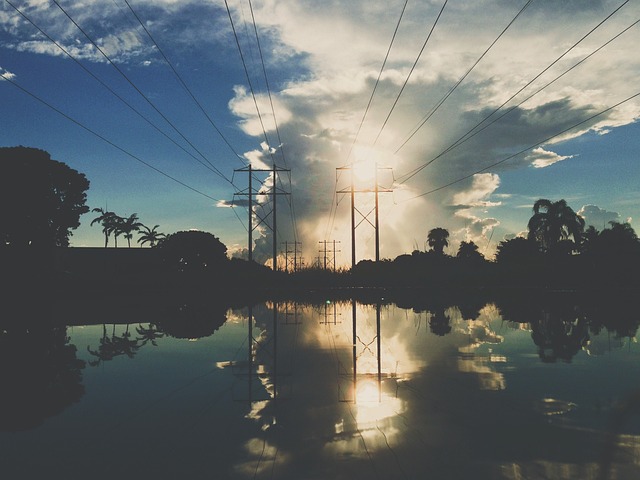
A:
<point x="129" y="225"/>
<point x="41" y="199"/>
<point x="439" y="322"/>
<point x="193" y="251"/>
<point x="107" y="220"/>
<point x="552" y="222"/>
<point x="517" y="251"/>
<point x="469" y="251"/>
<point x="438" y="239"/>
<point x="150" y="235"/>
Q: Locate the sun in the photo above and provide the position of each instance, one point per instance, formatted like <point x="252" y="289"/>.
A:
<point x="364" y="172"/>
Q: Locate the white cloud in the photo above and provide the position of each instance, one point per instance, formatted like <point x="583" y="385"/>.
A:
<point x="6" y="74"/>
<point x="598" y="217"/>
<point x="541" y="158"/>
<point x="327" y="55"/>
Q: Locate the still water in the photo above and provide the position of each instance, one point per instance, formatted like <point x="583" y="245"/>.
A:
<point x="335" y="390"/>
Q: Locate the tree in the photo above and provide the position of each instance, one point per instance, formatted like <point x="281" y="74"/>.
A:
<point x="129" y="225"/>
<point x="589" y="238"/>
<point x="469" y="251"/>
<point x="438" y="239"/>
<point x="41" y="199"/>
<point x="618" y="241"/>
<point x="108" y="222"/>
<point x="193" y="251"/>
<point x="517" y="252"/>
<point x="150" y="235"/>
<point x="552" y="222"/>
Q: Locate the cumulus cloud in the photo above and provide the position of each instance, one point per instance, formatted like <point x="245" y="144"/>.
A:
<point x="326" y="57"/>
<point x="598" y="217"/>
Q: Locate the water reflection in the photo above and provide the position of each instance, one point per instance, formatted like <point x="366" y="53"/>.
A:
<point x="336" y="389"/>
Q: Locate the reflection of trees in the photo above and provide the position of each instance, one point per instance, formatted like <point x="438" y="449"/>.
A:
<point x="114" y="346"/>
<point x="439" y="322"/>
<point x="148" y="334"/>
<point x="192" y="318"/>
<point x="40" y="373"/>
<point x="559" y="335"/>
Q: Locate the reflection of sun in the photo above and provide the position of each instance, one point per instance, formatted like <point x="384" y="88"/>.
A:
<point x="374" y="404"/>
<point x="367" y="391"/>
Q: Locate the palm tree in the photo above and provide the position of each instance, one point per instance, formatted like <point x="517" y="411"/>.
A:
<point x="437" y="239"/>
<point x="552" y="222"/>
<point x="107" y="220"/>
<point x="128" y="226"/>
<point x="150" y="235"/>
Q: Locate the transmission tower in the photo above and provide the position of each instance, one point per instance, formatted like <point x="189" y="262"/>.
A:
<point x="262" y="218"/>
<point x="364" y="217"/>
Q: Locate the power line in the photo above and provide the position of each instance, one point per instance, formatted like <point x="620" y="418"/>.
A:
<point x="473" y="132"/>
<point x="137" y="89"/>
<point x="411" y="71"/>
<point x="103" y="84"/>
<point x="182" y="82"/>
<point x="103" y="138"/>
<point x="275" y="120"/>
<point x="375" y="86"/>
<point x="542" y="142"/>
<point x="246" y="71"/>
<point x="452" y="89"/>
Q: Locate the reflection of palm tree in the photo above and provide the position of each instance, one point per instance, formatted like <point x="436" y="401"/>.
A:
<point x="148" y="334"/>
<point x="150" y="235"/>
<point x="554" y="221"/>
<point x="112" y="347"/>
<point x="438" y="238"/>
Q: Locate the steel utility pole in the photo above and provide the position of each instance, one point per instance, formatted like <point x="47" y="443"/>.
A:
<point x="262" y="219"/>
<point x="364" y="217"/>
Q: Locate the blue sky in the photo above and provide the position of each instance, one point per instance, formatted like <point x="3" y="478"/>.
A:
<point x="322" y="60"/>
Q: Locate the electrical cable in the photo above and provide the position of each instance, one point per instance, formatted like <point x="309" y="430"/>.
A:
<point x="183" y="83"/>
<point x="473" y="131"/>
<point x="124" y="75"/>
<point x="101" y="137"/>
<point x="410" y="71"/>
<point x="434" y="109"/>
<point x="542" y="142"/>
<point x="103" y="84"/>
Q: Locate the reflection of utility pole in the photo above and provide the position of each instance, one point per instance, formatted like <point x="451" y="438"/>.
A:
<point x="255" y="370"/>
<point x="355" y="356"/>
<point x="295" y="252"/>
<point x="364" y="217"/>
<point x="262" y="218"/>
<point x="328" y="314"/>
<point x="329" y="255"/>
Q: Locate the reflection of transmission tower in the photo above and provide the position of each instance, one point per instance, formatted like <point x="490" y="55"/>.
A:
<point x="252" y="370"/>
<point x="329" y="255"/>
<point x="359" y="345"/>
<point x="363" y="216"/>
<point x="262" y="218"/>
<point x="294" y="261"/>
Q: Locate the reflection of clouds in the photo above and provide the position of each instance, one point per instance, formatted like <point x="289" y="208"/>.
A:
<point x="479" y="333"/>
<point x="442" y="393"/>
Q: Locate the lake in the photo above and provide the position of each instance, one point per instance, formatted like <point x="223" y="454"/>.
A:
<point x="334" y="389"/>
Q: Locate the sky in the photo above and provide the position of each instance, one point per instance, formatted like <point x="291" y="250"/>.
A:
<point x="469" y="111"/>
